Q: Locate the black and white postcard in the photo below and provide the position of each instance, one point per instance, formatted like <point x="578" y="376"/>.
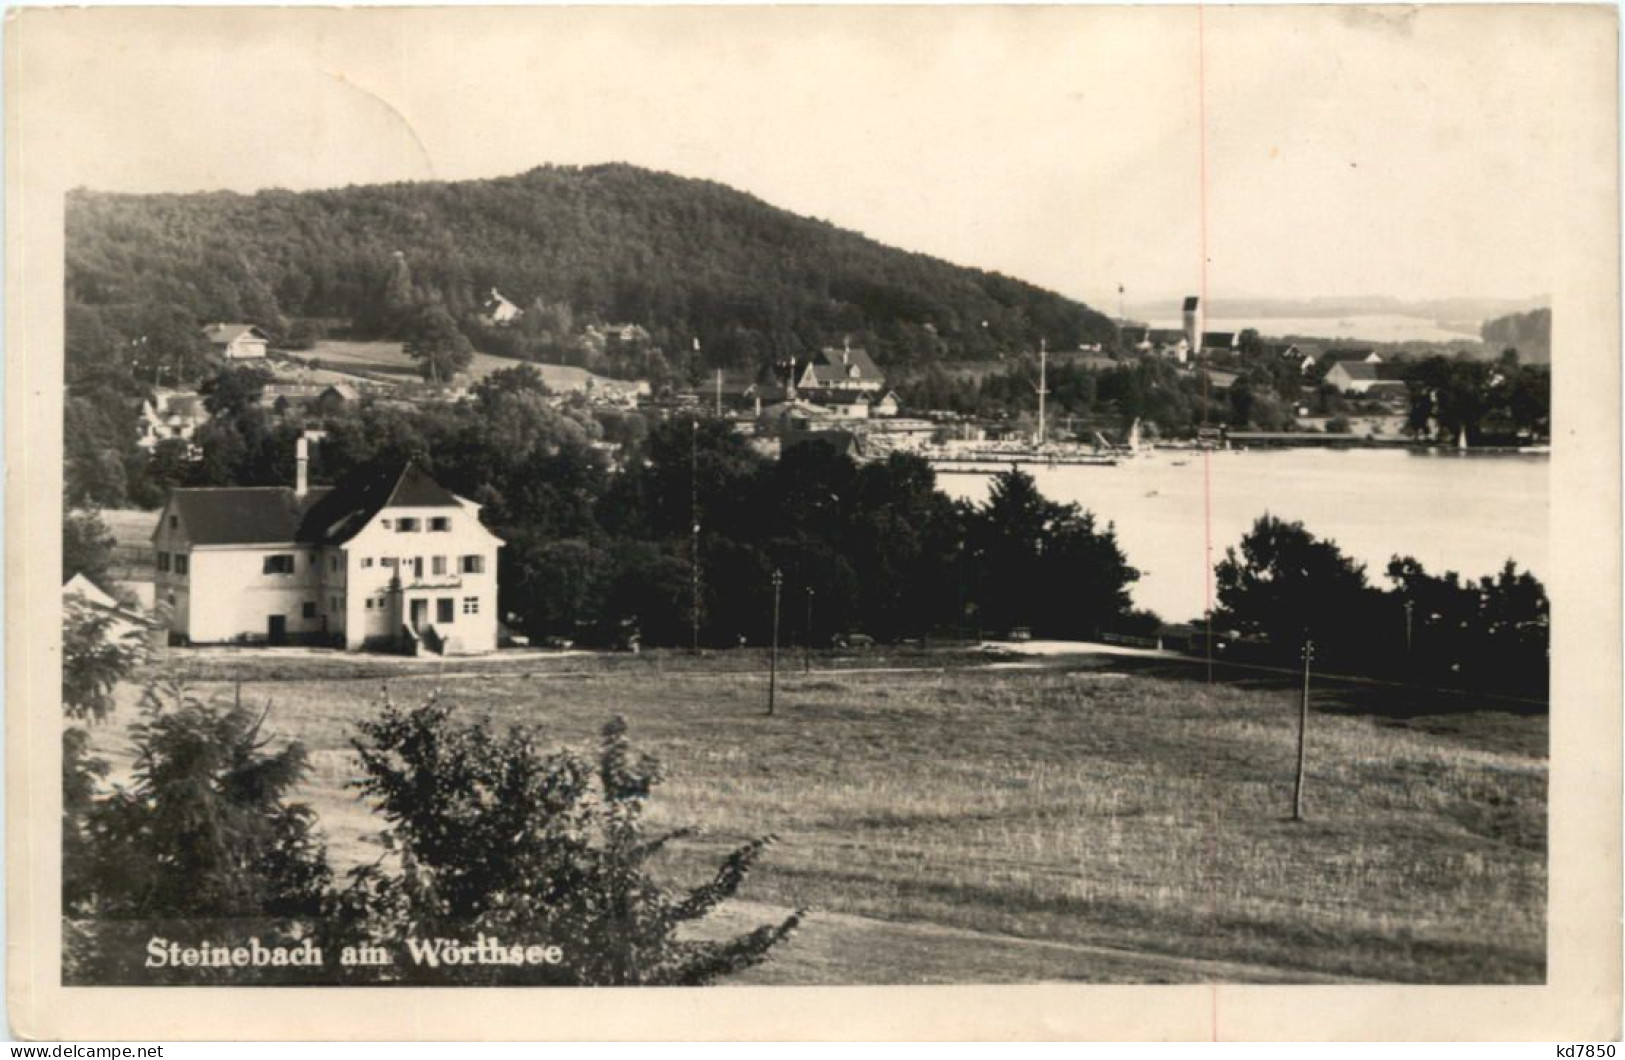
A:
<point x="981" y="504"/>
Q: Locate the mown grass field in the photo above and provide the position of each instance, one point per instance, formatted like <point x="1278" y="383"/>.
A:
<point x="1004" y="824"/>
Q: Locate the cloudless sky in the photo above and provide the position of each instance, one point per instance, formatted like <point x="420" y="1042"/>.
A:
<point x="1346" y="151"/>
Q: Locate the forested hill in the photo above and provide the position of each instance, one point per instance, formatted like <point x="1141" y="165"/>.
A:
<point x="687" y="259"/>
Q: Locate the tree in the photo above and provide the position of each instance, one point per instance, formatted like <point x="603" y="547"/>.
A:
<point x="434" y="341"/>
<point x="234" y="390"/>
<point x="1045" y="565"/>
<point x="203" y="833"/>
<point x="496" y="837"/>
<point x="1287" y="585"/>
<point x="87" y="546"/>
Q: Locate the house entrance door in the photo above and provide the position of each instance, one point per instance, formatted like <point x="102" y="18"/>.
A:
<point x="420" y="614"/>
<point x="277" y="633"/>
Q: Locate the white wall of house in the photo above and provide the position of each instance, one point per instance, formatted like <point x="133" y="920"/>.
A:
<point x="451" y="573"/>
<point x="230" y="594"/>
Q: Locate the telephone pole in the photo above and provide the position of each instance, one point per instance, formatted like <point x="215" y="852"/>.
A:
<point x="694" y="543"/>
<point x="773" y="654"/>
<point x="1303" y="730"/>
<point x="1043" y="387"/>
<point x="806" y="648"/>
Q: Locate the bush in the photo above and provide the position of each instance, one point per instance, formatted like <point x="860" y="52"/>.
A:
<point x="492" y="837"/>
<point x="203" y="843"/>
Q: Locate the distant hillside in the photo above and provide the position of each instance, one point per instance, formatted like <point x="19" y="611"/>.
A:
<point x="688" y="259"/>
<point x="1529" y="333"/>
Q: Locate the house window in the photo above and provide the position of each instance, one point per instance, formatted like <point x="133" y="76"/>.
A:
<point x="389" y="561"/>
<point x="366" y="561"/>
<point x="444" y="608"/>
<point x="308" y="609"/>
<point x="333" y="564"/>
<point x="163" y="561"/>
<point x="174" y="522"/>
<point x="182" y="563"/>
<point x="473" y="565"/>
<point x="369" y="603"/>
<point x="471" y="605"/>
<point x="406" y="526"/>
<point x="439" y="565"/>
<point x="440" y="524"/>
<point x="281" y="563"/>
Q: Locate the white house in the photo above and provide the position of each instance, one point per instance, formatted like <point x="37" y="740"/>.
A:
<point x="237" y="342"/>
<point x="170" y="414"/>
<point x="497" y="312"/>
<point x="387" y="559"/>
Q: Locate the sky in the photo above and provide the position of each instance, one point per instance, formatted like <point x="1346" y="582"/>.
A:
<point x="1302" y="152"/>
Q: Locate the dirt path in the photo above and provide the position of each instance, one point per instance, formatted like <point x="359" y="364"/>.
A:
<point x="840" y="948"/>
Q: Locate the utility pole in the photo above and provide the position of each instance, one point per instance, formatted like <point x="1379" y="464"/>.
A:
<point x="806" y="648"/>
<point x="1303" y="729"/>
<point x="719" y="393"/>
<point x="1410" y="605"/>
<point x="1043" y="386"/>
<point x="694" y="544"/>
<point x="773" y="654"/>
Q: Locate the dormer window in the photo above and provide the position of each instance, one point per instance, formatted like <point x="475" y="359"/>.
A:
<point x="406" y="526"/>
<point x="385" y="523"/>
<point x="440" y="524"/>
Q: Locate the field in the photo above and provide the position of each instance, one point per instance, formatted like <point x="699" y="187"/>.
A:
<point x="386" y="358"/>
<point x="948" y="821"/>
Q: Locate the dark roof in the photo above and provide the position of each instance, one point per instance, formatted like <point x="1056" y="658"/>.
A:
<point x="1191" y="302"/>
<point x="1391" y="373"/>
<point x="327" y="515"/>
<point x="1166" y="336"/>
<point x="830" y="358"/>
<point x="1222" y="340"/>
<point x="836" y="397"/>
<point x="243" y="515"/>
<point x="1347" y="354"/>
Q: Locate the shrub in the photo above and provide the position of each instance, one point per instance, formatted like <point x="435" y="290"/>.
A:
<point x="491" y="836"/>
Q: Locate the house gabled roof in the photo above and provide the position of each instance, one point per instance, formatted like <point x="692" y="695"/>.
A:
<point x="361" y="495"/>
<point x="242" y="515"/>
<point x="1166" y="336"/>
<point x="326" y="515"/>
<point x="830" y="363"/>
<point x="1346" y="354"/>
<point x="1359" y="370"/>
<point x="225" y="334"/>
<point x="1218" y="340"/>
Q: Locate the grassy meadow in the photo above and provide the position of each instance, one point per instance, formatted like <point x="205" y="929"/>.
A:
<point x="971" y="823"/>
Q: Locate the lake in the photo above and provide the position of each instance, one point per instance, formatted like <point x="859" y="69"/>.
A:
<point x="1368" y="327"/>
<point x="1464" y="512"/>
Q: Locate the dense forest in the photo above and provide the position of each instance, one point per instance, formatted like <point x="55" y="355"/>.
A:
<point x="703" y="267"/>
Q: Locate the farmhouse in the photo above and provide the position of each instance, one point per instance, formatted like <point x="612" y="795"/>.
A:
<point x="1363" y="377"/>
<point x="237" y="342"/>
<point x="170" y="414"/>
<point x="385" y="559"/>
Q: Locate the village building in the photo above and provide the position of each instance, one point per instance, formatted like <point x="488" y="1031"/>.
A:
<point x="170" y="414"/>
<point x="123" y="621"/>
<point x="497" y="312"/>
<point x="237" y="342"/>
<point x="386" y="559"/>
<point x="1367" y="379"/>
<point x="842" y="369"/>
<point x="844" y="404"/>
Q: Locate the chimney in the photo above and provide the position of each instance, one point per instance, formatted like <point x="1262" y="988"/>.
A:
<point x="301" y="452"/>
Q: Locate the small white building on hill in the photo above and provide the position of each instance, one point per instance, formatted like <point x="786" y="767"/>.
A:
<point x="385" y="559"/>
